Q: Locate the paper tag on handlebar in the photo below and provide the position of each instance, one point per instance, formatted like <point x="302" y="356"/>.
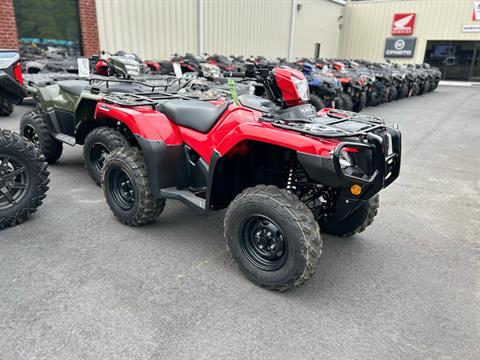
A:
<point x="83" y="67"/>
<point x="177" y="69"/>
<point x="233" y="91"/>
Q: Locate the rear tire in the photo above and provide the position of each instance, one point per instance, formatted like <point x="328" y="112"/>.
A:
<point x="347" y="101"/>
<point x="127" y="189"/>
<point x="361" y="103"/>
<point x="392" y="93"/>
<point x="317" y="102"/>
<point x="98" y="144"/>
<point x="35" y="128"/>
<point x="356" y="222"/>
<point x="402" y="92"/>
<point x="382" y="93"/>
<point x="415" y="89"/>
<point x="338" y="103"/>
<point x="273" y="237"/>
<point x="5" y="107"/>
<point x="23" y="193"/>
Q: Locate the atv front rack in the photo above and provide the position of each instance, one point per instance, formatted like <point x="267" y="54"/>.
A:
<point x="329" y="126"/>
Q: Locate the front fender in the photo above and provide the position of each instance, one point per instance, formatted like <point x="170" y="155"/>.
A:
<point x="267" y="133"/>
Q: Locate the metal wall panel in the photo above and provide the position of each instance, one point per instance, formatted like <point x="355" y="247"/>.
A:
<point x="248" y="27"/>
<point x="317" y="21"/>
<point x="366" y="25"/>
<point x="154" y="29"/>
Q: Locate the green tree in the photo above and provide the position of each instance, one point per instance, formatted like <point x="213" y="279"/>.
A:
<point x="50" y="19"/>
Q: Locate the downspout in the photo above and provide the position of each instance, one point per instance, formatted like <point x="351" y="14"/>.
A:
<point x="292" y="30"/>
<point x="200" y="27"/>
<point x="337" y="35"/>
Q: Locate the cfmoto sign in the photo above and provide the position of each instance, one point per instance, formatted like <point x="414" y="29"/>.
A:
<point x="400" y="47"/>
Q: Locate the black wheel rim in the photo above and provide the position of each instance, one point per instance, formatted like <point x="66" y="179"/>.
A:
<point x="14" y="181"/>
<point x="263" y="243"/>
<point x="121" y="189"/>
<point x="31" y="134"/>
<point x="98" y="155"/>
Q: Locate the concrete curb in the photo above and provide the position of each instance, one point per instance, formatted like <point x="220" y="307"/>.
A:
<point x="458" y="83"/>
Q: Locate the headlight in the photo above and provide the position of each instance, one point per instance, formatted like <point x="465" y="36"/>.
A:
<point x="302" y="88"/>
<point x="345" y="160"/>
<point x="132" y="69"/>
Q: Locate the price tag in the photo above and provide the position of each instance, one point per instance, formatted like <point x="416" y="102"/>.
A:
<point x="177" y="69"/>
<point x="83" y="67"/>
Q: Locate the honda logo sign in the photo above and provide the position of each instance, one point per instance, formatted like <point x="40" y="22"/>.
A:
<point x="400" y="47"/>
<point x="403" y="24"/>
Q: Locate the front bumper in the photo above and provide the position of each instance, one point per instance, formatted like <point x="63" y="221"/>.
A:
<point x="385" y="165"/>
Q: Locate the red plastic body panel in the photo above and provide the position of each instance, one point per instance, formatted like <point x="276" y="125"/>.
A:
<point x="240" y="124"/>
<point x="152" y="65"/>
<point x="283" y="78"/>
<point x="101" y="67"/>
<point x="143" y="121"/>
<point x="237" y="125"/>
<point x="17" y="73"/>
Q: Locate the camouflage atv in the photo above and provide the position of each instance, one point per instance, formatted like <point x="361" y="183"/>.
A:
<point x="23" y="179"/>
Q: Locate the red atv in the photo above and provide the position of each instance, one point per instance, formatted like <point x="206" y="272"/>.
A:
<point x="284" y="172"/>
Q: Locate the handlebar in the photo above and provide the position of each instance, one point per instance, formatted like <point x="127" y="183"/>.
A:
<point x="239" y="74"/>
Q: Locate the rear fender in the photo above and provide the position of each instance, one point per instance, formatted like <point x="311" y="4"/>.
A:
<point x="10" y="89"/>
<point x="158" y="138"/>
<point x="142" y="121"/>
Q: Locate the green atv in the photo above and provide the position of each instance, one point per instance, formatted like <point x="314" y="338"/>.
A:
<point x="66" y="111"/>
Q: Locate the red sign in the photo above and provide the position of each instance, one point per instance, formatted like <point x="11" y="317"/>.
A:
<point x="403" y="24"/>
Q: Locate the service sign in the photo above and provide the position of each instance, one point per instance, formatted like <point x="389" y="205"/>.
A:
<point x="403" y="24"/>
<point x="401" y="47"/>
<point x="476" y="10"/>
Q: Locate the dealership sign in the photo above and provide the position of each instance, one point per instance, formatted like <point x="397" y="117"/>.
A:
<point x="403" y="24"/>
<point x="402" y="47"/>
<point x="471" y="28"/>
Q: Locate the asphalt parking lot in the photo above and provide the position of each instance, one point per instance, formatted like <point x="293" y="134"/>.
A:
<point x="77" y="284"/>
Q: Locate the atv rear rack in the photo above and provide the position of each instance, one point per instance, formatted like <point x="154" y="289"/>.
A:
<point x="320" y="126"/>
<point x="147" y="98"/>
<point x="170" y="81"/>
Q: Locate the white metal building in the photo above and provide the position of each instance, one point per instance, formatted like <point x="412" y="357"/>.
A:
<point x="444" y="32"/>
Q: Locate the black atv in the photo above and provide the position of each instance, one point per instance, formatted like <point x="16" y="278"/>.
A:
<point x="23" y="179"/>
<point x="11" y="90"/>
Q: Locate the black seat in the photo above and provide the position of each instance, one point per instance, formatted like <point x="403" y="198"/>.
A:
<point x="194" y="114"/>
<point x="74" y="87"/>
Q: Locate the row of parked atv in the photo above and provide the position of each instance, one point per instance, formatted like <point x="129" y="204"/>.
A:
<point x="342" y="84"/>
<point x="286" y="172"/>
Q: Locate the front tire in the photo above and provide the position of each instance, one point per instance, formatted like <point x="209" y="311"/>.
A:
<point x="127" y="189"/>
<point x="5" y="107"/>
<point x="356" y="222"/>
<point x="347" y="101"/>
<point x="34" y="127"/>
<point x="23" y="179"/>
<point x="317" y="102"/>
<point x="273" y="237"/>
<point x="392" y="93"/>
<point x="98" y="144"/>
<point x="361" y="103"/>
